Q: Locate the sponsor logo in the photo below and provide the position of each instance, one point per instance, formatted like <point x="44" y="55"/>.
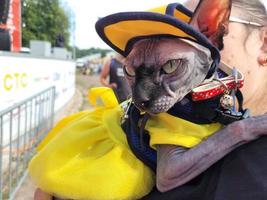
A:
<point x="14" y="81"/>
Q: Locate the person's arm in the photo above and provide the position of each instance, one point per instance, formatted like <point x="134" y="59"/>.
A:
<point x="104" y="75"/>
<point x="177" y="165"/>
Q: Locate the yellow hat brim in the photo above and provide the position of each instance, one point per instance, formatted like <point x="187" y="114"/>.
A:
<point x="127" y="30"/>
<point x="121" y="30"/>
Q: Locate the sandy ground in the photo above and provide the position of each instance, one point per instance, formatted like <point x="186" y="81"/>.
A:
<point x="77" y="103"/>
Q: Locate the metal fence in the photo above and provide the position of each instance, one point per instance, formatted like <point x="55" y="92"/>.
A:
<point x="22" y="126"/>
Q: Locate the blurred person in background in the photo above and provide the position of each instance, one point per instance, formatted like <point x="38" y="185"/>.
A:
<point x="112" y="76"/>
<point x="87" y="69"/>
<point x="5" y="38"/>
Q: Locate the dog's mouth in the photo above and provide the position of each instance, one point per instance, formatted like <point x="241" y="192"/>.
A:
<point x="157" y="106"/>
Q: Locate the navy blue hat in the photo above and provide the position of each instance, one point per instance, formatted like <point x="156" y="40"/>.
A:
<point x="122" y="30"/>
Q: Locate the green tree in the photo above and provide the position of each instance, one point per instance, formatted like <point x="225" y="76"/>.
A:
<point x="44" y="20"/>
<point x="86" y="52"/>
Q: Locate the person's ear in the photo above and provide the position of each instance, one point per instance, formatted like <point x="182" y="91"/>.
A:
<point x="262" y="58"/>
<point x="211" y="18"/>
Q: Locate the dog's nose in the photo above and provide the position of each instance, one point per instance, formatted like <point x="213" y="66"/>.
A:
<point x="142" y="96"/>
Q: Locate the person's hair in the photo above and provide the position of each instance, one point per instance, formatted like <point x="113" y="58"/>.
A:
<point x="252" y="10"/>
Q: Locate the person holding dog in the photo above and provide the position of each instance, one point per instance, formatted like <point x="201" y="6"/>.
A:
<point x="223" y="165"/>
<point x="244" y="48"/>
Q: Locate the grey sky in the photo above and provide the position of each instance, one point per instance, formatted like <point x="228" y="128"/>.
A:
<point x="87" y="12"/>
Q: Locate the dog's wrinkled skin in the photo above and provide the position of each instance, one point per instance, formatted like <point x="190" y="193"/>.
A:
<point x="153" y="89"/>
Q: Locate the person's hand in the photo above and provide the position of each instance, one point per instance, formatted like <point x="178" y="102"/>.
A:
<point x="41" y="195"/>
<point x="113" y="85"/>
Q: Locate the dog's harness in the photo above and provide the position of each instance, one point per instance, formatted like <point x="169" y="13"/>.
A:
<point x="211" y="102"/>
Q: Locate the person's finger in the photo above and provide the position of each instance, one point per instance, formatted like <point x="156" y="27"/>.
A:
<point x="41" y="195"/>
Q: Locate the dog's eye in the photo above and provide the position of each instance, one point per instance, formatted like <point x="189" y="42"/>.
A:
<point x="170" y="66"/>
<point x="129" y="71"/>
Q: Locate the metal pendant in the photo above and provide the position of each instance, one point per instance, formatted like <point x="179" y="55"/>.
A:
<point x="125" y="106"/>
<point x="227" y="101"/>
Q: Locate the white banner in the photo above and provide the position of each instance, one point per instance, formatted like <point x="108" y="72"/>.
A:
<point x="22" y="77"/>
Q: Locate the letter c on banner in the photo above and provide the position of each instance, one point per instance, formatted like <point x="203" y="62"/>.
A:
<point x="8" y="82"/>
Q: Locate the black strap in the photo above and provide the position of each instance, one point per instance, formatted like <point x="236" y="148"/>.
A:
<point x="240" y="98"/>
<point x="209" y="111"/>
<point x="139" y="146"/>
<point x="229" y="116"/>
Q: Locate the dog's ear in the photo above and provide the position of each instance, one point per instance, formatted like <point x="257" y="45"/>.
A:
<point x="211" y="18"/>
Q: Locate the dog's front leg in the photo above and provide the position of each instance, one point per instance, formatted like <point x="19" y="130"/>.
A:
<point x="177" y="165"/>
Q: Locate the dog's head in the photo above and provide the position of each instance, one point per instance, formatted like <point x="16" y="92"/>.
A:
<point x="162" y="71"/>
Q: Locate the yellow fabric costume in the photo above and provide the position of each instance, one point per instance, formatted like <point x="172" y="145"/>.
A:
<point x="86" y="155"/>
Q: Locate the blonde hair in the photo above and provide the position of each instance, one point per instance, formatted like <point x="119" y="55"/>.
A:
<point x="251" y="10"/>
